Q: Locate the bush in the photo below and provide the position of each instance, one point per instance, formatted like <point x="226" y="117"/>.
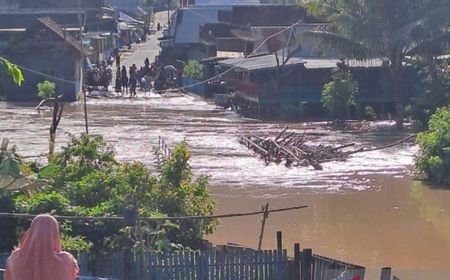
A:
<point x="192" y="69"/>
<point x="86" y="180"/>
<point x="369" y="113"/>
<point x="434" y="156"/>
<point x="339" y="94"/>
<point x="7" y="226"/>
<point x="46" y="89"/>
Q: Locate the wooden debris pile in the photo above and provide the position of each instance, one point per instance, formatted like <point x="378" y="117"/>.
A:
<point x="291" y="148"/>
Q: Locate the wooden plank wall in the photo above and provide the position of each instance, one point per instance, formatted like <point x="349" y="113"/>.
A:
<point x="3" y="258"/>
<point x="217" y="264"/>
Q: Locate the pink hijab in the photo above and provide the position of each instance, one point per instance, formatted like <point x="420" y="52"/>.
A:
<point x="39" y="256"/>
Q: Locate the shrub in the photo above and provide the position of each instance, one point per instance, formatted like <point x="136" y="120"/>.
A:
<point x="339" y="94"/>
<point x="46" y="89"/>
<point x="86" y="180"/>
<point x="192" y="69"/>
<point x="369" y="113"/>
<point x="434" y="156"/>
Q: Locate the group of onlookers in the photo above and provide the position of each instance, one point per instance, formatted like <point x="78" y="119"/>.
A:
<point x="127" y="81"/>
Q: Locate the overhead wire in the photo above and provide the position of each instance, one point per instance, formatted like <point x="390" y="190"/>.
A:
<point x="236" y="65"/>
<point x="171" y="218"/>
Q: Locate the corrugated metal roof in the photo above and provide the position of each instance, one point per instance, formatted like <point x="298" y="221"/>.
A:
<point x="188" y="30"/>
<point x="327" y="63"/>
<point x="259" y="62"/>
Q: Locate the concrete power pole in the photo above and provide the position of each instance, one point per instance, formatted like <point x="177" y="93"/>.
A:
<point x="81" y="24"/>
<point x="168" y="13"/>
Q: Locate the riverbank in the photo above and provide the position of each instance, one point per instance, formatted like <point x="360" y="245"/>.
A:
<point x="398" y="223"/>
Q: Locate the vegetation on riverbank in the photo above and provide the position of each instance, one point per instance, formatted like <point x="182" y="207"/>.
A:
<point x="85" y="179"/>
<point x="395" y="30"/>
<point x="339" y="94"/>
<point x="434" y="156"/>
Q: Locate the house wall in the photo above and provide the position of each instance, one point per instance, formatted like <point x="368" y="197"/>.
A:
<point x="124" y="4"/>
<point x="9" y="4"/>
<point x="59" y="4"/>
<point x="46" y="61"/>
<point x="305" y="85"/>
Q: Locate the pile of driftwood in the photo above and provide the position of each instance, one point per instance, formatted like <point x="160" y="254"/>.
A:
<point x="291" y="148"/>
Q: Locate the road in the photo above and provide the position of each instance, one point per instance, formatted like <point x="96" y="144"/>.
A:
<point x="149" y="49"/>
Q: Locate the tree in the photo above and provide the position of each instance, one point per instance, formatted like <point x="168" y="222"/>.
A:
<point x="339" y="94"/>
<point x="435" y="78"/>
<point x="12" y="70"/>
<point x="192" y="69"/>
<point x="385" y="29"/>
<point x="46" y="91"/>
<point x="434" y="156"/>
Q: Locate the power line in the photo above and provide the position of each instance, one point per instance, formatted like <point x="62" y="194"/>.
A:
<point x="183" y="87"/>
<point x="155" y="219"/>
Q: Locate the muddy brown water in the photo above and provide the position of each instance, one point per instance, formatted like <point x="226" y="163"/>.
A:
<point x="366" y="210"/>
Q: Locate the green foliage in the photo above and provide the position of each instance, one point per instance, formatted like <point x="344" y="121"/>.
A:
<point x="75" y="244"/>
<point x="46" y="89"/>
<point x="181" y="194"/>
<point x="12" y="70"/>
<point x="7" y="226"/>
<point x="435" y="76"/>
<point x="14" y="171"/>
<point x="43" y="202"/>
<point x="369" y="113"/>
<point x="384" y="29"/>
<point x="192" y="69"/>
<point x="339" y="94"/>
<point x="434" y="156"/>
<point x="86" y="180"/>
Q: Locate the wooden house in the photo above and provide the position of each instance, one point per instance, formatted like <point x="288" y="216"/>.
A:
<point x="264" y="87"/>
<point x="45" y="51"/>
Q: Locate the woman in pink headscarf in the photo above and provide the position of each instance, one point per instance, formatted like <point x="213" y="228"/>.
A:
<point x="39" y="256"/>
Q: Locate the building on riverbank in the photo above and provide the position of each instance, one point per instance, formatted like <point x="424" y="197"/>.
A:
<point x="293" y="89"/>
<point x="45" y="51"/>
<point x="203" y="31"/>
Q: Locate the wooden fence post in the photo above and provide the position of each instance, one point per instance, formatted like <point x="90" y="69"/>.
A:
<point x="386" y="273"/>
<point x="279" y="241"/>
<point x="263" y="225"/>
<point x="306" y="261"/>
<point x="296" y="274"/>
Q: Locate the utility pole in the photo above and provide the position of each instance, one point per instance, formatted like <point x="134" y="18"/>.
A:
<point x="168" y="13"/>
<point x="81" y="24"/>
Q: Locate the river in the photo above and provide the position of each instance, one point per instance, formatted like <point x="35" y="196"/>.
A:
<point x="366" y="210"/>
<point x="134" y="126"/>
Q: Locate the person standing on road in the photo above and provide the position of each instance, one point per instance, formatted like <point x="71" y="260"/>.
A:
<point x="118" y="61"/>
<point x="124" y="78"/>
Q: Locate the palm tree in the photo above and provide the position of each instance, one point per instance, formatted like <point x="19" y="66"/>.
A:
<point x="390" y="29"/>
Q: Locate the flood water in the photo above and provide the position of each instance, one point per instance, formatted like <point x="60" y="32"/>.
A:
<point x="133" y="126"/>
<point x="366" y="210"/>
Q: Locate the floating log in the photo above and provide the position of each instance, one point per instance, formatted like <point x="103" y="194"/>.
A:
<point x="291" y="148"/>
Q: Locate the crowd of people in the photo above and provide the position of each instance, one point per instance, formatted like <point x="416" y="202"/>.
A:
<point x="128" y="80"/>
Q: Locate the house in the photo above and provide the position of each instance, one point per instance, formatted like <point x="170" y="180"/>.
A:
<point x="207" y="30"/>
<point x="97" y="23"/>
<point x="45" y="51"/>
<point x="263" y="87"/>
<point x="182" y="40"/>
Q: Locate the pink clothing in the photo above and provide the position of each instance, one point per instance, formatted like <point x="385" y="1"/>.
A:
<point x="39" y="256"/>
